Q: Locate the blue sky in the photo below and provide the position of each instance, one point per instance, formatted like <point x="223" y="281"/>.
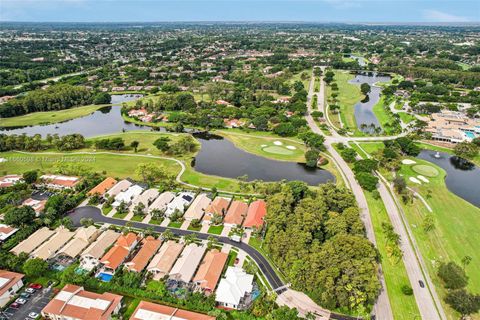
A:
<point x="246" y="10"/>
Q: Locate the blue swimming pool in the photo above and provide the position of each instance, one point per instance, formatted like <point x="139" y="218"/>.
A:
<point x="105" y="276"/>
<point x="470" y="135"/>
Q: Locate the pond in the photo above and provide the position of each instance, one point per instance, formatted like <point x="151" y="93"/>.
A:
<point x="106" y="120"/>
<point x="220" y="157"/>
<point x="463" y="177"/>
<point x="364" y="116"/>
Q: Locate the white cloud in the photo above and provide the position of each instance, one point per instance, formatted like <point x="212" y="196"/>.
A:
<point x="439" y="16"/>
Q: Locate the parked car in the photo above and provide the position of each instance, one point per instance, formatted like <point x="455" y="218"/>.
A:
<point x="24" y="295"/>
<point x="33" y="315"/>
<point x="35" y="286"/>
<point x="30" y="290"/>
<point x="15" y="305"/>
<point x="21" y="301"/>
<point x="422" y="285"/>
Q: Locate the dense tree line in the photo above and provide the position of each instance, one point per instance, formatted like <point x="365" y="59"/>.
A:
<point x="57" y="97"/>
<point x="318" y="241"/>
<point x="36" y="143"/>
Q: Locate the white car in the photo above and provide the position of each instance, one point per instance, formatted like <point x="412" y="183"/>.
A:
<point x="33" y="315"/>
<point x="30" y="290"/>
<point x="21" y="301"/>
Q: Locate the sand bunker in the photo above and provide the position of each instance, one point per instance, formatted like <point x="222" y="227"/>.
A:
<point x="408" y="161"/>
<point x="291" y="147"/>
<point x="423" y="178"/>
<point x="278" y="143"/>
<point x="415" y="180"/>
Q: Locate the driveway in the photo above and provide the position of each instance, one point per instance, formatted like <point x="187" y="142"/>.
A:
<point x="35" y="303"/>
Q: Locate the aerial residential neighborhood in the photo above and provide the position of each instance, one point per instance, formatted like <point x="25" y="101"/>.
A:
<point x="239" y="160"/>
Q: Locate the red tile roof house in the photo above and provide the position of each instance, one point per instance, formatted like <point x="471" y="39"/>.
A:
<point x="117" y="254"/>
<point x="255" y="215"/>
<point x="144" y="255"/>
<point x="152" y="311"/>
<point x="75" y="303"/>
<point x="9" y="180"/>
<point x="59" y="181"/>
<point x="235" y="214"/>
<point x="218" y="206"/>
<point x="10" y="283"/>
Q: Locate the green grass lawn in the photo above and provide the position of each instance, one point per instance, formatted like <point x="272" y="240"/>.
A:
<point x="175" y="224"/>
<point x="348" y="95"/>
<point x="120" y="215"/>
<point x="425" y="170"/>
<point x="232" y="255"/>
<point x="403" y="306"/>
<point x="406" y="117"/>
<point x="192" y="228"/>
<point x="264" y="145"/>
<point x="137" y="218"/>
<point x="456" y="228"/>
<point x="372" y="147"/>
<point x="298" y="77"/>
<point x="215" y="229"/>
<point x="37" y="118"/>
<point x="383" y="116"/>
<point x="111" y="165"/>
<point x="155" y="221"/>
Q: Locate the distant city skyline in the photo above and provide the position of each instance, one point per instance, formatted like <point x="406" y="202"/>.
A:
<point x="394" y="11"/>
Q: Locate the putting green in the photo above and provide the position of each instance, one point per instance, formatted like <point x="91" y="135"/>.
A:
<point x="278" y="150"/>
<point x="425" y="170"/>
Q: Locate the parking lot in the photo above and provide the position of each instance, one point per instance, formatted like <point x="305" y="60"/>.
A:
<point x="35" y="303"/>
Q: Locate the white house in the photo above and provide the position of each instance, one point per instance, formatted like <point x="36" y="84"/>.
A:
<point x="181" y="201"/>
<point x="233" y="288"/>
<point x="128" y="195"/>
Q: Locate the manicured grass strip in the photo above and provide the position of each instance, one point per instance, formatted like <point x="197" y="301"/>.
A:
<point x="192" y="228"/>
<point x="106" y="210"/>
<point x="456" y="228"/>
<point x="175" y="224"/>
<point x="215" y="229"/>
<point x="395" y="275"/>
<point x="37" y="118"/>
<point x="232" y="255"/>
<point x="155" y="221"/>
<point x="120" y="215"/>
<point x="137" y="218"/>
<point x="406" y="117"/>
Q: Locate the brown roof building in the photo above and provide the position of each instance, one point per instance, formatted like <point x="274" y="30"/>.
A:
<point x="102" y="187"/>
<point x="163" y="261"/>
<point x="210" y="270"/>
<point x="152" y="311"/>
<point x="10" y="283"/>
<point x="75" y="303"/>
<point x="218" y="206"/>
<point x="141" y="259"/>
<point x="235" y="214"/>
<point x="255" y="214"/>
<point x="119" y="252"/>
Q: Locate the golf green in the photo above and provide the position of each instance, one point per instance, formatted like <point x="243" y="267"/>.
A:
<point x="278" y="150"/>
<point x="425" y="170"/>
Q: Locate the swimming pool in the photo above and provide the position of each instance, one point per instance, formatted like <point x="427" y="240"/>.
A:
<point x="470" y="135"/>
<point x="105" y="276"/>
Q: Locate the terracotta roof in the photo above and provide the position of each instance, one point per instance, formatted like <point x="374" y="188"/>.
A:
<point x="60" y="180"/>
<point x="115" y="257"/>
<point x="9" y="180"/>
<point x="102" y="187"/>
<point x="127" y="241"/>
<point x="8" y="279"/>
<point x="236" y="213"/>
<point x="149" y="311"/>
<point x="256" y="212"/>
<point x="6" y="231"/>
<point x="210" y="270"/>
<point x="218" y="206"/>
<point x="141" y="259"/>
<point x="75" y="303"/>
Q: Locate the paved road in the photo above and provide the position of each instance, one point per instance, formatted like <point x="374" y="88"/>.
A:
<point x="426" y="298"/>
<point x="35" y="303"/>
<point x="382" y="307"/>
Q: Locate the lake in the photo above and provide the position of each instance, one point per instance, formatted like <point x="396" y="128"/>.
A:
<point x="106" y="120"/>
<point x="364" y="109"/>
<point x="463" y="177"/>
<point x="220" y="157"/>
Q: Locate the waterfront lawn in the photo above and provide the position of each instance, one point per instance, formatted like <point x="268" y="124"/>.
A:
<point x="264" y="146"/>
<point x="118" y="166"/>
<point x="456" y="228"/>
<point x="403" y="306"/>
<point x="37" y="118"/>
<point x="384" y="117"/>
